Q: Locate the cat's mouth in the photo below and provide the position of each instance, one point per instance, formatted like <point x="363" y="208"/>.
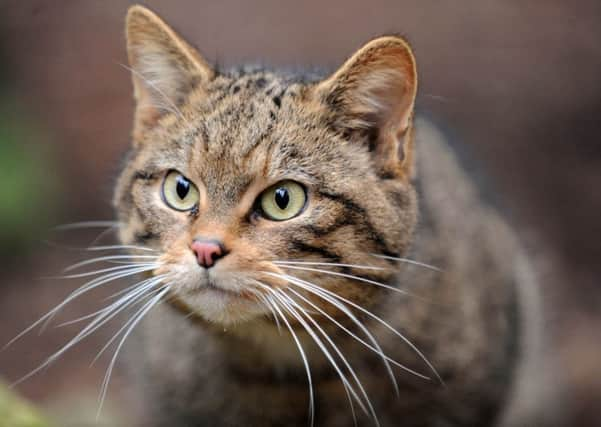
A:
<point x="212" y="287"/>
<point x="223" y="300"/>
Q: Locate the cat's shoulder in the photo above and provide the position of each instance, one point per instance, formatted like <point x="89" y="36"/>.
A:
<point x="455" y="199"/>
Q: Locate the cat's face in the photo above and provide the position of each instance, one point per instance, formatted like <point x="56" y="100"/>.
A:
<point x="249" y="183"/>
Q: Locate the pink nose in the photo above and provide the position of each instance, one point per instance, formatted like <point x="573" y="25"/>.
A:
<point x="207" y="251"/>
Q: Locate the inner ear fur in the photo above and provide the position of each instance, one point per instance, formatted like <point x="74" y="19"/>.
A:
<point x="371" y="97"/>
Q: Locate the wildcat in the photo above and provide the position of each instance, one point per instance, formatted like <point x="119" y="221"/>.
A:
<point x="302" y="282"/>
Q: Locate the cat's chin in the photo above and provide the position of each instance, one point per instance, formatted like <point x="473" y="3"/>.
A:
<point x="215" y="304"/>
<point x="215" y="296"/>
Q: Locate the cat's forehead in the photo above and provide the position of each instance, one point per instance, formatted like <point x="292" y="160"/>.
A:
<point x="245" y="125"/>
<point x="240" y="112"/>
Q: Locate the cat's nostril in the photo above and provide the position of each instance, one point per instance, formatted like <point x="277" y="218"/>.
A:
<point x="207" y="251"/>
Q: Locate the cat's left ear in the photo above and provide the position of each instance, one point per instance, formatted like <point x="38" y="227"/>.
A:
<point x="371" y="98"/>
<point x="164" y="67"/>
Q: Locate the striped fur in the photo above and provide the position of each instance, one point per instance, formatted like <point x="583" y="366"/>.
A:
<point x="214" y="355"/>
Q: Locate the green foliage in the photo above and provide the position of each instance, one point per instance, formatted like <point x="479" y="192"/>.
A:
<point x="15" y="412"/>
<point x="28" y="182"/>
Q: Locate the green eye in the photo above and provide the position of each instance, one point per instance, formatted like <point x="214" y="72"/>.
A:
<point x="283" y="201"/>
<point x="179" y="193"/>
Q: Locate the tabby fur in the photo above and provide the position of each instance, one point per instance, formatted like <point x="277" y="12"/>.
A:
<point x="213" y="355"/>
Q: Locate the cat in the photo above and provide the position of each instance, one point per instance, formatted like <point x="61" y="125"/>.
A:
<point x="318" y="263"/>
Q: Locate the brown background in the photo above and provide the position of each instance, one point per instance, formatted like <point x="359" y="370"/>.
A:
<point x="517" y="84"/>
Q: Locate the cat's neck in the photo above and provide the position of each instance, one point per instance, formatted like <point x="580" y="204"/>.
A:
<point x="261" y="347"/>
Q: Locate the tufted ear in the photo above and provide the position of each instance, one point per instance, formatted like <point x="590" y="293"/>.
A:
<point x="371" y="99"/>
<point x="164" y="67"/>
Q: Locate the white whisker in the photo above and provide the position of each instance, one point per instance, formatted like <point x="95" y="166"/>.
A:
<point x="303" y="357"/>
<point x="126" y="290"/>
<point x="330" y="264"/>
<point x="81" y="290"/>
<point x="132" y="263"/>
<point x="382" y="322"/>
<point x="344" y="361"/>
<point x="109" y="258"/>
<point x="124" y="247"/>
<point x="139" y="296"/>
<point x="321" y="346"/>
<point x="122" y="272"/>
<point x="98" y="248"/>
<point x="97" y="282"/>
<point x="88" y="224"/>
<point x="350" y="276"/>
<point x="408" y="261"/>
<point x="145" y="309"/>
<point x="324" y="350"/>
<point x="375" y="348"/>
<point x="265" y="301"/>
<point x="124" y="267"/>
<point x="106" y="315"/>
<point x="101" y="235"/>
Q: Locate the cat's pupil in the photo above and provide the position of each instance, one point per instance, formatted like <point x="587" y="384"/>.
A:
<point x="182" y="187"/>
<point x="282" y="198"/>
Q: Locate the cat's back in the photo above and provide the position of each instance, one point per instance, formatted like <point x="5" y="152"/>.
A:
<point x="484" y="313"/>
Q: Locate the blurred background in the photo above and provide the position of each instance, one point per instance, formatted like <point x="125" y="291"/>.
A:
<point x="516" y="85"/>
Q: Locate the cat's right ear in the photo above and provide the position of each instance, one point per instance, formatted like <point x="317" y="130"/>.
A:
<point x="370" y="98"/>
<point x="164" y="67"/>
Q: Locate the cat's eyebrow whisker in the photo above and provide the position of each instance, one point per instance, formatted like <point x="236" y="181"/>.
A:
<point x="318" y="289"/>
<point x="136" y="319"/>
<point x="107" y="225"/>
<point x="331" y="264"/>
<point x="342" y="358"/>
<point x="302" y="354"/>
<point x="101" y="235"/>
<point x="408" y="261"/>
<point x="88" y="224"/>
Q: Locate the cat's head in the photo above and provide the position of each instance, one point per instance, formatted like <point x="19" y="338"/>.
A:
<point x="256" y="187"/>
